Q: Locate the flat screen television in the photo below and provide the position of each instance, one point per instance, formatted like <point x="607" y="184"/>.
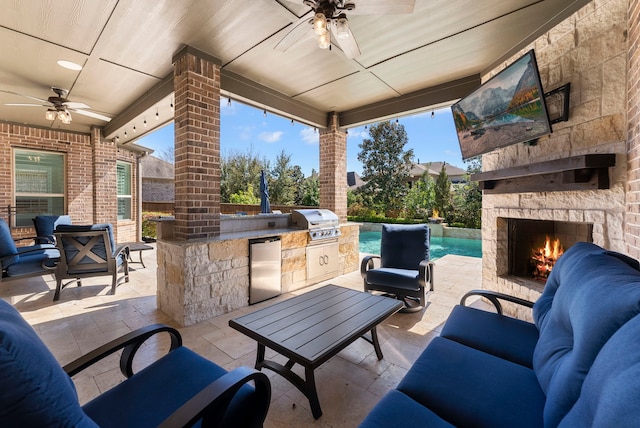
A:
<point x="507" y="109"/>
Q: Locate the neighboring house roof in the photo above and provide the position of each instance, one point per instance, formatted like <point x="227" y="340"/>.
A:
<point x="455" y="174"/>
<point x="353" y="180"/>
<point x="153" y="167"/>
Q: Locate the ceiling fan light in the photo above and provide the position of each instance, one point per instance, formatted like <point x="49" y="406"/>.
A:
<point x="320" y="24"/>
<point x="66" y="117"/>
<point x="324" y="41"/>
<point x="61" y="115"/>
<point x="342" y="27"/>
<point x="50" y="114"/>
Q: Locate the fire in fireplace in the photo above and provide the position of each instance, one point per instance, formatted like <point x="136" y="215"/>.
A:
<point x="535" y="245"/>
<point x="544" y="258"/>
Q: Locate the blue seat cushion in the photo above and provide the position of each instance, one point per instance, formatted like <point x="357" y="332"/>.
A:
<point x="392" y="277"/>
<point x="467" y="387"/>
<point x="153" y="394"/>
<point x="499" y="335"/>
<point x="589" y="295"/>
<point x="397" y="410"/>
<point x="609" y="395"/>
<point x="34" y="390"/>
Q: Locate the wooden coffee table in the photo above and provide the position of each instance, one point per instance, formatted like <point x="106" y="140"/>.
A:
<point x="311" y="328"/>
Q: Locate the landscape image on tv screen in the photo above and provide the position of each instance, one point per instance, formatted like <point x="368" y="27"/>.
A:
<point x="507" y="109"/>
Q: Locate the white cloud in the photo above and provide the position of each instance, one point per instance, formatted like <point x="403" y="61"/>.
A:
<point x="309" y="135"/>
<point x="270" y="137"/>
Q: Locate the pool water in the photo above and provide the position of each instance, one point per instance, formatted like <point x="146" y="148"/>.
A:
<point x="440" y="246"/>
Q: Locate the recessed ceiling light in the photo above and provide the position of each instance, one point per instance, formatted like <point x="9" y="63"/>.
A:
<point x="70" y="65"/>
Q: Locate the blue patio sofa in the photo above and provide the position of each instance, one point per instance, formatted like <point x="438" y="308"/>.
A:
<point x="577" y="365"/>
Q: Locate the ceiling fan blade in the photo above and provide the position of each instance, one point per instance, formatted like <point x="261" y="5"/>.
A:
<point x="26" y="96"/>
<point x="298" y="30"/>
<point x="74" y="105"/>
<point x="26" y="105"/>
<point x="349" y="45"/>
<point x="91" y="114"/>
<point x="381" y="7"/>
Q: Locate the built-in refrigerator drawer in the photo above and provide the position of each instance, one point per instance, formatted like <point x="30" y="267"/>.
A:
<point x="265" y="266"/>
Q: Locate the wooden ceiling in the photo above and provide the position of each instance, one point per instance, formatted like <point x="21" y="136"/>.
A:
<point x="408" y="62"/>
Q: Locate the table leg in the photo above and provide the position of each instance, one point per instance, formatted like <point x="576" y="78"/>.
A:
<point x="312" y="393"/>
<point x="376" y="344"/>
<point x="307" y="385"/>
<point x="260" y="356"/>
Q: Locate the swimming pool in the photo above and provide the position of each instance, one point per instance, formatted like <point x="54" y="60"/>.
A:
<point x="440" y="246"/>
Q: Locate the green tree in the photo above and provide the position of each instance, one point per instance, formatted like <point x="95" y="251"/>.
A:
<point x="237" y="171"/>
<point x="442" y="192"/>
<point x="310" y="191"/>
<point x="285" y="181"/>
<point x="245" y="196"/>
<point x="386" y="166"/>
<point x="420" y="198"/>
<point x="467" y="199"/>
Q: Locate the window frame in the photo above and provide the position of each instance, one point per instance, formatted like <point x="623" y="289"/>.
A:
<point x="16" y="170"/>
<point x="124" y="196"/>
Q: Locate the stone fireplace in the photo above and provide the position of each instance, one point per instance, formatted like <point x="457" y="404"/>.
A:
<point x="589" y="51"/>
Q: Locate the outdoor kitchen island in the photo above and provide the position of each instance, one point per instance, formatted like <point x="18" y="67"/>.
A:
<point x="199" y="279"/>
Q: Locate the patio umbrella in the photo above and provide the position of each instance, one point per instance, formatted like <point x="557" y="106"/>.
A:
<point x="265" y="207"/>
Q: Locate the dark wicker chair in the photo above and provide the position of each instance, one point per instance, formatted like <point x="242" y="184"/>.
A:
<point x="88" y="251"/>
<point x="405" y="271"/>
<point x="179" y="389"/>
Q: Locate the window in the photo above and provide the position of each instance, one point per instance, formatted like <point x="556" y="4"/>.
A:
<point x="124" y="191"/>
<point x="39" y="184"/>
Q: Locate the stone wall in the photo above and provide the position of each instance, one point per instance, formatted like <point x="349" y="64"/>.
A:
<point x="588" y="50"/>
<point x="632" y="229"/>
<point x="199" y="280"/>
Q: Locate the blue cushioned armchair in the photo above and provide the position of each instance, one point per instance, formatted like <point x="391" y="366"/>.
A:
<point x="88" y="251"/>
<point x="405" y="271"/>
<point x="180" y="389"/>
<point x="24" y="262"/>
<point x="46" y="224"/>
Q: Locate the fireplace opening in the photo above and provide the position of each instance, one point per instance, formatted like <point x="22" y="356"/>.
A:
<point x="535" y="245"/>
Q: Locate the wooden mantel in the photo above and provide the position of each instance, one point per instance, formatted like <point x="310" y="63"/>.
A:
<point x="585" y="172"/>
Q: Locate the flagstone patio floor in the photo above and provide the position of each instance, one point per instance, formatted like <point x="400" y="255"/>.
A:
<point x="349" y="385"/>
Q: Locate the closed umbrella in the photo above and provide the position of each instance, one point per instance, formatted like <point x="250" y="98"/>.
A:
<point x="265" y="206"/>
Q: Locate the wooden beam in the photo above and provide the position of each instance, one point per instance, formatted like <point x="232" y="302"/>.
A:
<point x="586" y="172"/>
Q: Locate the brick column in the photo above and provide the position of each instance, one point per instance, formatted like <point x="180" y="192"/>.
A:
<point x="105" y="197"/>
<point x="632" y="228"/>
<point x="196" y="80"/>
<point x="333" y="168"/>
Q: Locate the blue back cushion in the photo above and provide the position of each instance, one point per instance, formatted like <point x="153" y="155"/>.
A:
<point x="99" y="248"/>
<point x="404" y="246"/>
<point x="46" y="224"/>
<point x="8" y="250"/>
<point x="611" y="389"/>
<point x="590" y="294"/>
<point x="34" y="390"/>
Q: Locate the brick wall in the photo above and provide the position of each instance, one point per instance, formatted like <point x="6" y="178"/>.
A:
<point x="82" y="152"/>
<point x="197" y="145"/>
<point x="333" y="169"/>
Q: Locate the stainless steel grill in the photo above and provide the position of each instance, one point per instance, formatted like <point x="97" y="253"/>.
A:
<point x="322" y="224"/>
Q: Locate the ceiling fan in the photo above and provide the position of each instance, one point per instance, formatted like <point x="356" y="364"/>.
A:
<point x="328" y="20"/>
<point x="58" y="106"/>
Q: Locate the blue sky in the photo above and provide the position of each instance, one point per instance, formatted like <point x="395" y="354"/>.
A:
<point x="244" y="128"/>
